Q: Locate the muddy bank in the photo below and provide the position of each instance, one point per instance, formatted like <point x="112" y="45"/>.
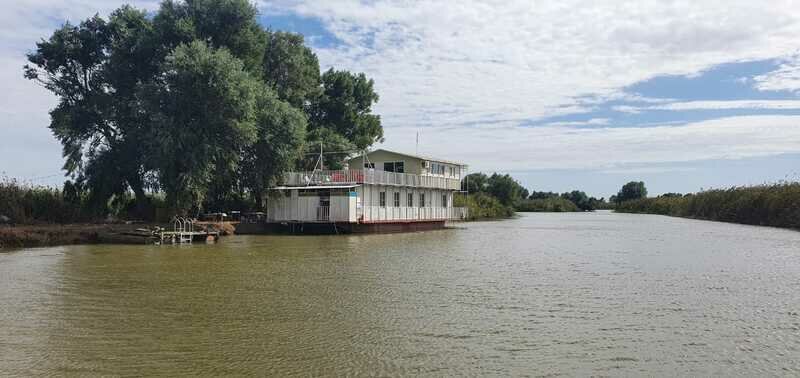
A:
<point x="42" y="235"/>
<point x="19" y="236"/>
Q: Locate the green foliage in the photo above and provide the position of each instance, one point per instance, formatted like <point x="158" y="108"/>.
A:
<point x="228" y="24"/>
<point x="291" y="69"/>
<point x="580" y="199"/>
<point x="505" y="189"/>
<point x="203" y="110"/>
<point x="775" y="205"/>
<point x="281" y="131"/>
<point x="631" y="191"/>
<point x="483" y="206"/>
<point x="475" y="183"/>
<point x="26" y="204"/>
<point x="549" y="204"/>
<point x="336" y="145"/>
<point x="345" y="106"/>
<point x="196" y="99"/>
<point x="542" y="195"/>
<point x="511" y="194"/>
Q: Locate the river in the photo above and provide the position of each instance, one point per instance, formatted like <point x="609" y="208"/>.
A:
<point x="543" y="294"/>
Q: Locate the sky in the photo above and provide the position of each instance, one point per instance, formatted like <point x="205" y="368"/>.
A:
<point x="562" y="95"/>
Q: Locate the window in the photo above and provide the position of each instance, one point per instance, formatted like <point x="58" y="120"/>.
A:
<point x="383" y="199"/>
<point x="444" y="200"/>
<point x="369" y="165"/>
<point x="437" y="169"/>
<point x="396" y="199"/>
<point x="394" y="166"/>
<point x="410" y="200"/>
<point x="422" y="200"/>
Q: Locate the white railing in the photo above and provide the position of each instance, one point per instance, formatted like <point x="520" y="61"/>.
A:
<point x="369" y="176"/>
<point x="387" y="214"/>
<point x="324" y="214"/>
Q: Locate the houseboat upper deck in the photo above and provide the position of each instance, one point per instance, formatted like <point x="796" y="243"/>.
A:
<point x="370" y="176"/>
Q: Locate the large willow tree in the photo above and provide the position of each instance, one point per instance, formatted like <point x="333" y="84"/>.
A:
<point x="196" y="100"/>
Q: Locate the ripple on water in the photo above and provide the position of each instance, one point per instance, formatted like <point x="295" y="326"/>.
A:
<point x="544" y="294"/>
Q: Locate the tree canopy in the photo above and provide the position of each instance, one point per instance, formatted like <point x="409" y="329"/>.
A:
<point x="195" y="99"/>
<point x="631" y="191"/>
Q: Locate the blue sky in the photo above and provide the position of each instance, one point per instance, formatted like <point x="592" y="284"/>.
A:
<point x="683" y="95"/>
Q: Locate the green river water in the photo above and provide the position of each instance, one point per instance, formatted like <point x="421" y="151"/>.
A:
<point x="543" y="294"/>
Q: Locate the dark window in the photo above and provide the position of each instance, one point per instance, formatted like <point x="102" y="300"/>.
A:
<point x="437" y="168"/>
<point x="369" y="165"/>
<point x="396" y="199"/>
<point x="394" y="166"/>
<point x="410" y="199"/>
<point x="444" y="200"/>
<point x="383" y="199"/>
<point x="325" y="198"/>
<point x="422" y="200"/>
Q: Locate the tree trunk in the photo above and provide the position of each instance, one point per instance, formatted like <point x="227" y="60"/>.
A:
<point x="143" y="210"/>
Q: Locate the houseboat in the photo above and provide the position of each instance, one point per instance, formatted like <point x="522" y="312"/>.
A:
<point x="379" y="191"/>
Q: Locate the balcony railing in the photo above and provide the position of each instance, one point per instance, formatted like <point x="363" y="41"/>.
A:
<point x="388" y="214"/>
<point x="370" y="176"/>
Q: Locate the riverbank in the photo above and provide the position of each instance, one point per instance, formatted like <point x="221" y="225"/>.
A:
<point x="776" y="205"/>
<point x="42" y="235"/>
<point x="46" y="235"/>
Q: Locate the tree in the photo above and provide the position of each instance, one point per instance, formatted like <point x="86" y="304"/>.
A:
<point x="580" y="199"/>
<point x="291" y="69"/>
<point x="229" y="24"/>
<point x="542" y="195"/>
<point x="475" y="183"/>
<point x="505" y="189"/>
<point x="631" y="191"/>
<point x="93" y="72"/>
<point x="203" y="109"/>
<point x="345" y="106"/>
<point x="197" y="100"/>
<point x="281" y="132"/>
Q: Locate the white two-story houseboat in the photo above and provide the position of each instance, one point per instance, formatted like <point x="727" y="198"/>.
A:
<point x="380" y="191"/>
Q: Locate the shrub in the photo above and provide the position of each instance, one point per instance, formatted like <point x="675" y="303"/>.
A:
<point x="552" y="204"/>
<point x="775" y="205"/>
<point x="483" y="206"/>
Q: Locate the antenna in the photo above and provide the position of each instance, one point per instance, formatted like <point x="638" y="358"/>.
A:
<point x="416" y="152"/>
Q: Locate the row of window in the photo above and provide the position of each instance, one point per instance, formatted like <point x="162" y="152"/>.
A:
<point x="389" y="166"/>
<point x="399" y="167"/>
<point x="409" y="199"/>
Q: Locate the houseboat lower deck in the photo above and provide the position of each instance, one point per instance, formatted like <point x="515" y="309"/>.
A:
<point x="388" y="192"/>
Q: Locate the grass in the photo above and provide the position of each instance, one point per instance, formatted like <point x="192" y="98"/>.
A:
<point x="776" y="205"/>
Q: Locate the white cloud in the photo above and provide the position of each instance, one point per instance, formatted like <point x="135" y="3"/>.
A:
<point x="716" y="105"/>
<point x="518" y="60"/>
<point x="513" y="148"/>
<point x="467" y="73"/>
<point x="785" y="78"/>
<point x="591" y="122"/>
<point x="27" y="148"/>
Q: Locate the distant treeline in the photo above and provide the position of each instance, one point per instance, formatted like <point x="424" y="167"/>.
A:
<point x="499" y="196"/>
<point x="775" y="205"/>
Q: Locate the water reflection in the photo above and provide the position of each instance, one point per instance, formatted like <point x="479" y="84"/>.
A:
<point x="546" y="293"/>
